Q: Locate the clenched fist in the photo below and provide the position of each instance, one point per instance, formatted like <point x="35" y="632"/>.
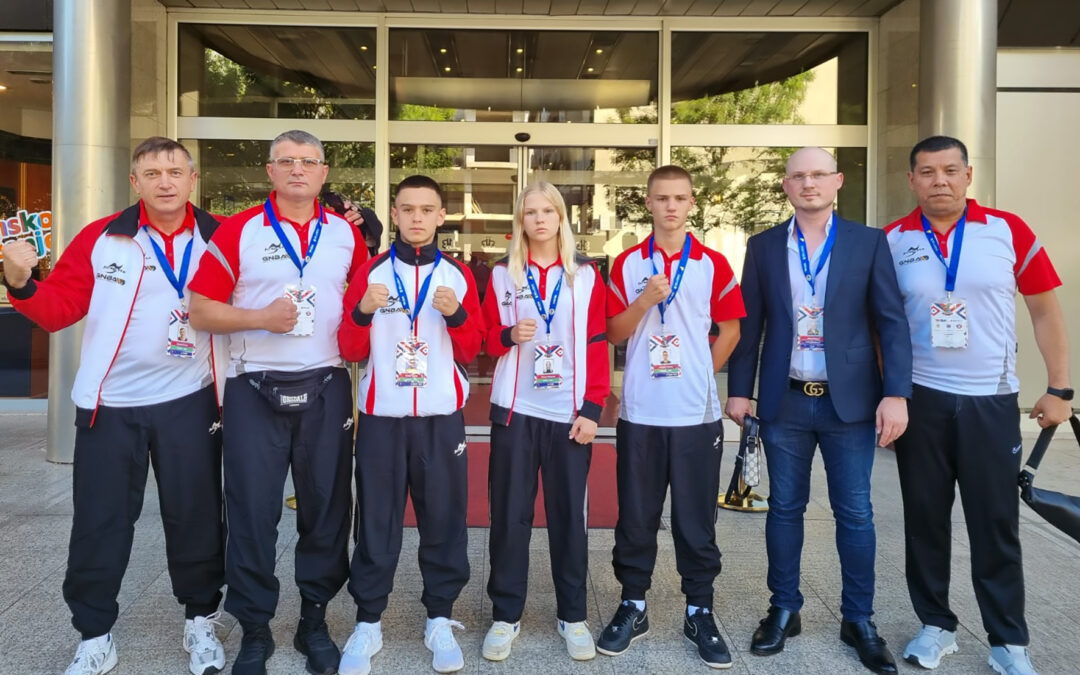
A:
<point x="20" y="259"/>
<point x="375" y="297"/>
<point x="656" y="290"/>
<point x="523" y="331"/>
<point x="445" y="301"/>
<point x="280" y="315"/>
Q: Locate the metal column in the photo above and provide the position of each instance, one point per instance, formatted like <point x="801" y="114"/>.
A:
<point x="91" y="138"/>
<point x="958" y="81"/>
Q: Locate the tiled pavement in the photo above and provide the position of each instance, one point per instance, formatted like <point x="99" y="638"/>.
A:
<point x="36" y="635"/>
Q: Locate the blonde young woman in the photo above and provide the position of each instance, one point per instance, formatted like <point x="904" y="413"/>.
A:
<point x="544" y="309"/>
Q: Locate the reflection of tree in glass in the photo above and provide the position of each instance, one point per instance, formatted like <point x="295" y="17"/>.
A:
<point x="733" y="187"/>
<point x="424" y="158"/>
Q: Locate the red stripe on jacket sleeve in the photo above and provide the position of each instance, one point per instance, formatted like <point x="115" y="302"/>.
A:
<point x="597" y="364"/>
<point x="493" y="326"/>
<point x="467" y="336"/>
<point x="1039" y="275"/>
<point x="617" y="292"/>
<point x="213" y="279"/>
<point x="360" y="251"/>
<point x="726" y="301"/>
<point x="354" y="335"/>
<point x="64" y="296"/>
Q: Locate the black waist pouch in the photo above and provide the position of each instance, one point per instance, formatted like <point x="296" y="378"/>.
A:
<point x="291" y="392"/>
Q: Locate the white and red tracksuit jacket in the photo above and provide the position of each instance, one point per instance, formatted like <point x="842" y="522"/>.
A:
<point x="99" y="277"/>
<point x="452" y="341"/>
<point x="578" y="327"/>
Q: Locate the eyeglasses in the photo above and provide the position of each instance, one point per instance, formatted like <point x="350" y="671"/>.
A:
<point x="815" y="177"/>
<point x="287" y="163"/>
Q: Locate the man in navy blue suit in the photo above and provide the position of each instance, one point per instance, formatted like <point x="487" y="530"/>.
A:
<point x="824" y="292"/>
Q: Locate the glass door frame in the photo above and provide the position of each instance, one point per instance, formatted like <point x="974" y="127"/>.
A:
<point x="662" y="135"/>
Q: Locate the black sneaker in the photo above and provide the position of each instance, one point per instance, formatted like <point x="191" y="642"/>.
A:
<point x="628" y="624"/>
<point x="256" y="648"/>
<point x="700" y="629"/>
<point x="313" y="641"/>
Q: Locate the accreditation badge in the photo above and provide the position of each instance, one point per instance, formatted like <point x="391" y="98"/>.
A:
<point x="949" y="324"/>
<point x="664" y="356"/>
<point x="811" y="328"/>
<point x="548" y="366"/>
<point x="411" y="362"/>
<point x="181" y="343"/>
<point x="304" y="299"/>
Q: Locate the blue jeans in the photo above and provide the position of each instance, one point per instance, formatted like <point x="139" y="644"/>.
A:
<point x="848" y="451"/>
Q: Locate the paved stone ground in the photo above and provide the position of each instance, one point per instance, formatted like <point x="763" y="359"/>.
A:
<point x="36" y="634"/>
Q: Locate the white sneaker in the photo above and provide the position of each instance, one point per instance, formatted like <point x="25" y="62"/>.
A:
<point x="1011" y="660"/>
<point x="439" y="638"/>
<point x="365" y="642"/>
<point x="929" y="646"/>
<point x="498" y="640"/>
<point x="579" y="640"/>
<point x="200" y="641"/>
<point x="94" y="657"/>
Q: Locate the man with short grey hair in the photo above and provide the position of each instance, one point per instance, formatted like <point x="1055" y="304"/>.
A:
<point x="288" y="400"/>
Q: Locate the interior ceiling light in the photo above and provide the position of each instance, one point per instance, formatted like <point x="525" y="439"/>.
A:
<point x="363" y="48"/>
<point x="520" y="50"/>
<point x="447" y="69"/>
<point x="3" y="87"/>
<point x="519" y="69"/>
<point x="442" y="50"/>
<point x="599" y="51"/>
<point x="590" y="69"/>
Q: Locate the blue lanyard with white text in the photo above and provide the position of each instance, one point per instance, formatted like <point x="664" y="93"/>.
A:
<point x="804" y="256"/>
<point x="403" y="297"/>
<point x="548" y="315"/>
<point x="676" y="280"/>
<point x="953" y="264"/>
<point x="313" y="241"/>
<point x="176" y="283"/>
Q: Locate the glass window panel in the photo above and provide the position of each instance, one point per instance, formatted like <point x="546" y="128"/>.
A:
<point x="294" y="72"/>
<point x="25" y="202"/>
<point x="522" y="75"/>
<point x="768" y="78"/>
<point x="232" y="174"/>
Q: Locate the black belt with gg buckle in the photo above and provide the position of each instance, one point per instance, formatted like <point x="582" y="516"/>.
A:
<point x="809" y="388"/>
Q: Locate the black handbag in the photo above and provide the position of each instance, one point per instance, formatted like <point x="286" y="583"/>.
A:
<point x="1060" y="510"/>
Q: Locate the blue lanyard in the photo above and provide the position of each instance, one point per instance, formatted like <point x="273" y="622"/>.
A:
<point x="403" y="297"/>
<point x="953" y="265"/>
<point x="548" y="315"/>
<point x="804" y="256"/>
<point x="313" y="241"/>
<point x="177" y="283"/>
<point x="676" y="281"/>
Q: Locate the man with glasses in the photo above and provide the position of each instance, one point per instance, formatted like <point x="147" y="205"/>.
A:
<point x="144" y="395"/>
<point x="823" y="291"/>
<point x="273" y="279"/>
<point x="965" y="422"/>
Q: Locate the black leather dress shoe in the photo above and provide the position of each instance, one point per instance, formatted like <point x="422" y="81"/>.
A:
<point x="775" y="628"/>
<point x="873" y="653"/>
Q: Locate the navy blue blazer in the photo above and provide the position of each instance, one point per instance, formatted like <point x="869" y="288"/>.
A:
<point x="862" y="304"/>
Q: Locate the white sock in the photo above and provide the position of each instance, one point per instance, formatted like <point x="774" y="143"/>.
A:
<point x="692" y="609"/>
<point x="377" y="624"/>
<point x="640" y="604"/>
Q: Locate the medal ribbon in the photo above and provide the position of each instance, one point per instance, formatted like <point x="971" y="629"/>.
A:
<point x="313" y="240"/>
<point x="676" y="280"/>
<point x="548" y="315"/>
<point x="953" y="264"/>
<point x="421" y="295"/>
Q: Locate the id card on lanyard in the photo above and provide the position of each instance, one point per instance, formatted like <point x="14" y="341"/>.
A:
<point x="948" y="316"/>
<point x="411" y="353"/>
<point x="181" y="340"/>
<point x="302" y="295"/>
<point x="664" y="346"/>
<point x="810" y="319"/>
<point x="547" y="355"/>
